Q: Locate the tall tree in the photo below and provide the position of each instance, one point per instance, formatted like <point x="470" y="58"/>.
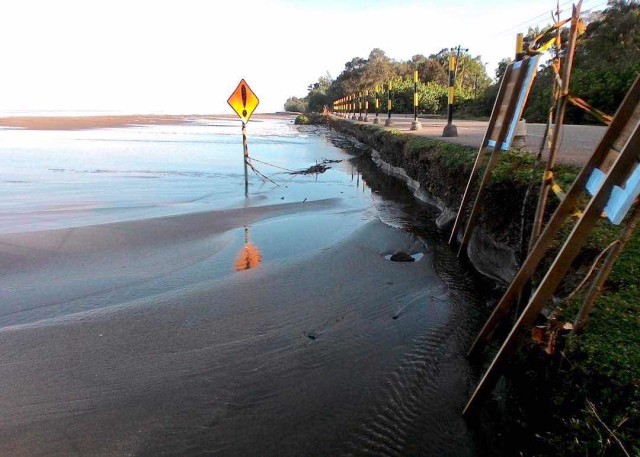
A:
<point x="607" y="60"/>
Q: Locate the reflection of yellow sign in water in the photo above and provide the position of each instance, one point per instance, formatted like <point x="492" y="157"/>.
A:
<point x="249" y="256"/>
<point x="243" y="101"/>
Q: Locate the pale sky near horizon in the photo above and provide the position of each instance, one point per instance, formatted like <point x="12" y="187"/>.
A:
<point x="187" y="56"/>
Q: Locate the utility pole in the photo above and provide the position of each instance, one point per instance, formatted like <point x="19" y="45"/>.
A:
<point x="450" y="129"/>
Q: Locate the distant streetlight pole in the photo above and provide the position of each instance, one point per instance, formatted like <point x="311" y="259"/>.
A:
<point x="415" y="125"/>
<point x="450" y="129"/>
<point x="360" y="118"/>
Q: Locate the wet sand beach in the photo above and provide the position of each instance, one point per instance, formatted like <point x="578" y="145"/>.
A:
<point x="139" y="335"/>
<point x="113" y="121"/>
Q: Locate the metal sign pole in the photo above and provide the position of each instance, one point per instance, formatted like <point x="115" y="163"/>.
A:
<point x="245" y="149"/>
<point x="243" y="101"/>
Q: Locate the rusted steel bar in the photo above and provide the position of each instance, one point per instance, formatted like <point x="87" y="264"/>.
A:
<point x="495" y="155"/>
<point x="561" y="106"/>
<point x="481" y="153"/>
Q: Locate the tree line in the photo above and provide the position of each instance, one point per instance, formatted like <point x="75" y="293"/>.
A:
<point x="378" y="70"/>
<point x="606" y="62"/>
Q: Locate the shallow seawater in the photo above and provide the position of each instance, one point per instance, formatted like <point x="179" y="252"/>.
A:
<point x="286" y="333"/>
<point x="51" y="179"/>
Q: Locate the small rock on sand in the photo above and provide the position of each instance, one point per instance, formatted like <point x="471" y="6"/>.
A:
<point x="401" y="257"/>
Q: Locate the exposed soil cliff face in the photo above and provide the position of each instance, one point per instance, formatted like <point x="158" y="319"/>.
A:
<point x="437" y="172"/>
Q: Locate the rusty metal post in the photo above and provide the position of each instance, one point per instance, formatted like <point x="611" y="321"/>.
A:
<point x="493" y="160"/>
<point x="556" y="135"/>
<point x="479" y="158"/>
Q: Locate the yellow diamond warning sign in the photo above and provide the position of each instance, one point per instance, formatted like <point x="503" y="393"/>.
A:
<point x="243" y="101"/>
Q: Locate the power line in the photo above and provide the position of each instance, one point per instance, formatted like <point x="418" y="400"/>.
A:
<point x="594" y="7"/>
<point x="528" y="21"/>
<point x="533" y="23"/>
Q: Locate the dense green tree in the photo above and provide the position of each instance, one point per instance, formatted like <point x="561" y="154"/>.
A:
<point x="296" y="105"/>
<point x="502" y="67"/>
<point x="360" y="75"/>
<point x="430" y="70"/>
<point x="471" y="74"/>
<point x="377" y="69"/>
<point x="318" y="96"/>
<point x="607" y="60"/>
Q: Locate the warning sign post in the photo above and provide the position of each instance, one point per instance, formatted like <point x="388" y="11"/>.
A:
<point x="244" y="102"/>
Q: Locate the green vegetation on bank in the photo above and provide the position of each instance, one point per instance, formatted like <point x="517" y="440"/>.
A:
<point x="310" y="118"/>
<point x="593" y="379"/>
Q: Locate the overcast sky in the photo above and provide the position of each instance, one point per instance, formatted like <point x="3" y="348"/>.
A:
<point x="187" y="56"/>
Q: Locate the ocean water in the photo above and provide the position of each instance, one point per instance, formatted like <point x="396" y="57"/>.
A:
<point x="52" y="179"/>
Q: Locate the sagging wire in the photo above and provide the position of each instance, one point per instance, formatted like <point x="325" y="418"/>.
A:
<point x="535" y="21"/>
<point x="272" y="165"/>
<point x="530" y="22"/>
<point x="260" y="175"/>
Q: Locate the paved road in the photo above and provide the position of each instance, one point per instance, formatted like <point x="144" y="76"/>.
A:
<point x="579" y="141"/>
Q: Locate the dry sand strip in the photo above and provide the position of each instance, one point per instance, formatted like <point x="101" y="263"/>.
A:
<point x="96" y="122"/>
<point x="577" y="144"/>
